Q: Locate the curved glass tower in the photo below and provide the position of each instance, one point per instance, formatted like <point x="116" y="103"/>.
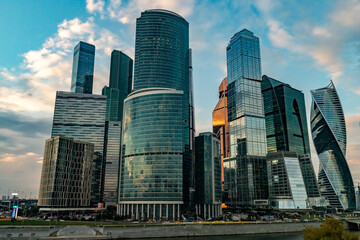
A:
<point x="151" y="173"/>
<point x="157" y="160"/>
<point x="161" y="51"/>
<point x="329" y="136"/>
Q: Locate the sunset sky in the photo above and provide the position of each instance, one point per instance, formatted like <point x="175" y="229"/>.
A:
<point x="303" y="43"/>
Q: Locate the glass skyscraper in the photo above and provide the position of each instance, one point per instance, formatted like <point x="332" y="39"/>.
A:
<point x="221" y="124"/>
<point x="120" y="85"/>
<point x="286" y="127"/>
<point x="157" y="161"/>
<point x="208" y="175"/>
<point x="112" y="152"/>
<point x="152" y="155"/>
<point x="286" y="183"/>
<point x="82" y="117"/>
<point x="329" y="135"/>
<point x="83" y="68"/>
<point x="247" y="182"/>
<point x="66" y="174"/>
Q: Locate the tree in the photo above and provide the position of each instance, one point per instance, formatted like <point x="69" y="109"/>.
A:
<point x="330" y="229"/>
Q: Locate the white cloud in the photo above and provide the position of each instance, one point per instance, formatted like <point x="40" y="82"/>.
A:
<point x="5" y="73"/>
<point x="353" y="144"/>
<point x="346" y="14"/>
<point x="95" y="6"/>
<point x="127" y="13"/>
<point x="49" y="68"/>
<point x="279" y="36"/>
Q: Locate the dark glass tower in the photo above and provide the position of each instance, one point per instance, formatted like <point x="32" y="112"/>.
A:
<point x="285" y="116"/>
<point x="208" y="175"/>
<point x="329" y="135"/>
<point x="120" y="84"/>
<point x="83" y="68"/>
<point x="157" y="124"/>
<point x="286" y="128"/>
<point x="248" y="181"/>
<point x="112" y="153"/>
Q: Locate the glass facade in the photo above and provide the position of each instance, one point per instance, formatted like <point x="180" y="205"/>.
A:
<point x="285" y="116"/>
<point x="221" y="124"/>
<point x="83" y="68"/>
<point x="329" y="136"/>
<point x="82" y="117"/>
<point x="162" y="51"/>
<point x="162" y="63"/>
<point x="309" y="176"/>
<point x="120" y="85"/>
<point x="66" y="173"/>
<point x="246" y="119"/>
<point x="286" y="184"/>
<point x="286" y="128"/>
<point x="208" y="175"/>
<point x="152" y="146"/>
<point x="152" y="155"/>
<point x="208" y="169"/>
<point x="162" y="60"/>
<point x="112" y="151"/>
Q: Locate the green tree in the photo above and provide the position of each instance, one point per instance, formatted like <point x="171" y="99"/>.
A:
<point x="330" y="229"/>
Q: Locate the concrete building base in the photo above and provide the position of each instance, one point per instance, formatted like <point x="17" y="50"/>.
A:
<point x="207" y="211"/>
<point x="140" y="211"/>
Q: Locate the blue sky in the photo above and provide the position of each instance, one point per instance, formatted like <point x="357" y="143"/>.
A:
<point x="303" y="43"/>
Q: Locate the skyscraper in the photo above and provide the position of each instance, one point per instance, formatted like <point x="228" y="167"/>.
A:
<point x="248" y="183"/>
<point x="329" y="135"/>
<point x="120" y="85"/>
<point x="152" y="155"/>
<point x="82" y="117"/>
<point x="157" y="161"/>
<point x="112" y="152"/>
<point x="66" y="174"/>
<point x="83" y="68"/>
<point x="286" y="128"/>
<point x="286" y="183"/>
<point x="208" y="175"/>
<point x="221" y="124"/>
<point x="285" y="116"/>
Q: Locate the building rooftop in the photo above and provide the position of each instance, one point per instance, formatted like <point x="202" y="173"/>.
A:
<point x="165" y="11"/>
<point x="243" y="32"/>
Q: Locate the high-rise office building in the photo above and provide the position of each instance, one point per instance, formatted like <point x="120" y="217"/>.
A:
<point x="66" y="174"/>
<point x="247" y="183"/>
<point x="152" y="155"/>
<point x="82" y="117"/>
<point x="286" y="127"/>
<point x="112" y="152"/>
<point x="221" y="124"/>
<point x="285" y="116"/>
<point x="157" y="160"/>
<point x="208" y="176"/>
<point x="329" y="136"/>
<point x="120" y="85"/>
<point x="83" y="68"/>
<point x="286" y="183"/>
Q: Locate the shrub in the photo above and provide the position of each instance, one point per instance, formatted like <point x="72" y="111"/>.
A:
<point x="330" y="229"/>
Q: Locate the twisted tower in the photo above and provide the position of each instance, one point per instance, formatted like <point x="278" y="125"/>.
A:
<point x="329" y="135"/>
